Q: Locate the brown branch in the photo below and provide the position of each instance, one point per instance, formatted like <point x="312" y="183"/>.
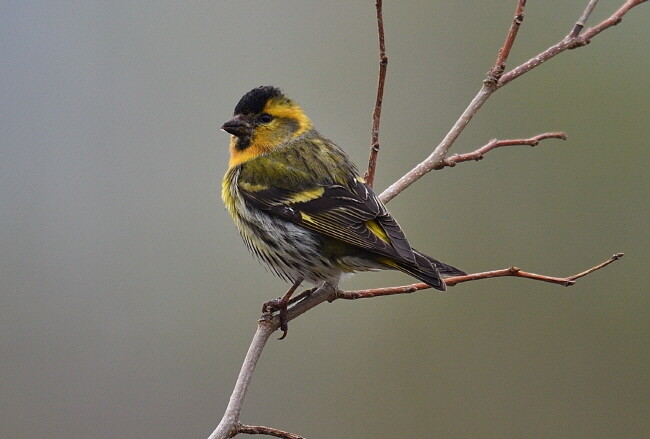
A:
<point x="437" y="157"/>
<point x="571" y="41"/>
<point x="229" y="425"/>
<point x="451" y="281"/>
<point x="260" y="429"/>
<point x="491" y="84"/>
<point x="613" y="20"/>
<point x="494" y="143"/>
<point x="616" y="257"/>
<point x="265" y="327"/>
<point x="376" y="114"/>
<point x="504" y="52"/>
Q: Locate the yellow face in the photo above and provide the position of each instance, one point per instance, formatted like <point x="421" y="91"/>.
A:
<point x="280" y="121"/>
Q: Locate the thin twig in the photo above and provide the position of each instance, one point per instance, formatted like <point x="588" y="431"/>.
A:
<point x="504" y="52"/>
<point x="260" y="429"/>
<point x="613" y="20"/>
<point x="376" y="114"/>
<point x="494" y="143"/>
<point x="616" y="257"/>
<point x="451" y="281"/>
<point x="580" y="24"/>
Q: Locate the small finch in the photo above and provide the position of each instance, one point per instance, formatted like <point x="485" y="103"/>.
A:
<point x="301" y="205"/>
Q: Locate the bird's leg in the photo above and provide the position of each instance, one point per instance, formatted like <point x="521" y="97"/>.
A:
<point x="280" y="304"/>
<point x="302" y="295"/>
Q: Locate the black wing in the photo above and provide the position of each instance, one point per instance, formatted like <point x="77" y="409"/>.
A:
<point x="351" y="213"/>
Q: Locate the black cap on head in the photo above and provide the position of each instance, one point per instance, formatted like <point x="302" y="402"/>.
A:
<point x="255" y="100"/>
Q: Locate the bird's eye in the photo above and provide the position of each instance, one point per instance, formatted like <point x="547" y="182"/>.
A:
<point x="265" y="118"/>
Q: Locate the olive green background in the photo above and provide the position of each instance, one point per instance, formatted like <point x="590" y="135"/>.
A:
<point x="128" y="300"/>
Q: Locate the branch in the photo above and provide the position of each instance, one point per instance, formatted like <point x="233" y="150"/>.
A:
<point x="571" y="41"/>
<point x="230" y="421"/>
<point x="504" y="52"/>
<point x="494" y="143"/>
<point x="260" y="429"/>
<point x="580" y="24"/>
<point x="451" y="281"/>
<point x="230" y="426"/>
<point x="376" y="114"/>
<point x="494" y="81"/>
<point x="437" y="157"/>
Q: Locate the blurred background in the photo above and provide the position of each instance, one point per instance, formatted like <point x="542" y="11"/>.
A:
<point x="128" y="300"/>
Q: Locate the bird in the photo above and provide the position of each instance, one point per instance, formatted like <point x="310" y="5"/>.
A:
<point x="301" y="205"/>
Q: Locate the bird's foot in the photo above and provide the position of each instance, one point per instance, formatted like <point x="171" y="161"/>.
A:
<point x="281" y="305"/>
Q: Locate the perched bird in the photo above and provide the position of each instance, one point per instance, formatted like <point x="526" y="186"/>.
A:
<point x="301" y="205"/>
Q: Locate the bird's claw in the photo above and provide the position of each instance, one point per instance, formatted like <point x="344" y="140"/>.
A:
<point x="281" y="306"/>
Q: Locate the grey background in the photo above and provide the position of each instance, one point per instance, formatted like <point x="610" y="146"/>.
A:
<point x="128" y="300"/>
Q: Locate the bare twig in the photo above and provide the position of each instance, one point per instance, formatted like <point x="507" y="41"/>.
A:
<point x="616" y="257"/>
<point x="504" y="52"/>
<point x="376" y="114"/>
<point x="580" y="24"/>
<point x="451" y="281"/>
<point x="613" y="20"/>
<point x="260" y="429"/>
<point x="437" y="157"/>
<point x="494" y="143"/>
